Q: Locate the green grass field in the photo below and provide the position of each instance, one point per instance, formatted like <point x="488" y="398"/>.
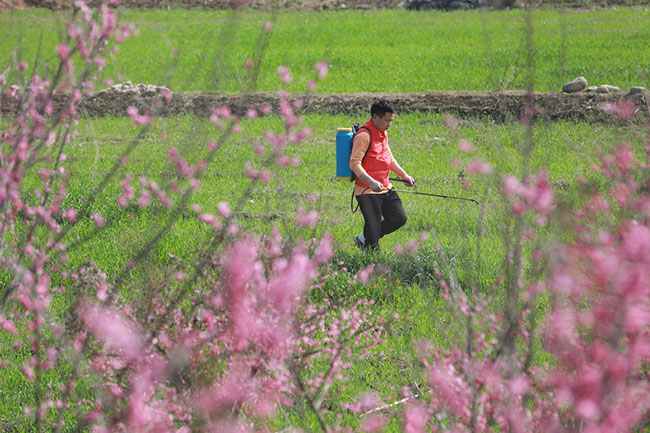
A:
<point x="405" y="52"/>
<point x="382" y="51"/>
<point x="408" y="287"/>
<point x="421" y="142"/>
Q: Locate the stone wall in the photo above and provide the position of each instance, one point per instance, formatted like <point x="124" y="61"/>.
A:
<point x="335" y="4"/>
<point x="227" y="4"/>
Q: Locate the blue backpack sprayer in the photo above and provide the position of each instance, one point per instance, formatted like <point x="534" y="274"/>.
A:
<point x="344" y="138"/>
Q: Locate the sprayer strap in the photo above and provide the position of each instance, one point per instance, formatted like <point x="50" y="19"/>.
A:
<point x="352" y="208"/>
<point x="354" y="176"/>
<point x="369" y="141"/>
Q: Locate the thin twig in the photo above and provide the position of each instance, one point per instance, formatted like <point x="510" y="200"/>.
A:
<point x="310" y="402"/>
<point x="393" y="404"/>
<point x="388" y="406"/>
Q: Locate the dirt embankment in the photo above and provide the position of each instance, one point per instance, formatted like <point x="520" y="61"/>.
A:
<point x="303" y="5"/>
<point x="499" y="105"/>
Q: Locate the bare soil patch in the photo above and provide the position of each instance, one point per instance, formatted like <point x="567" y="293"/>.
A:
<point x="9" y="5"/>
<point x="497" y="105"/>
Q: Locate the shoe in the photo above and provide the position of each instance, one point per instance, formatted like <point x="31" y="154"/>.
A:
<point x="360" y="240"/>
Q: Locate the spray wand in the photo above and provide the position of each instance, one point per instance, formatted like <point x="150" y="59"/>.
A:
<point x="429" y="194"/>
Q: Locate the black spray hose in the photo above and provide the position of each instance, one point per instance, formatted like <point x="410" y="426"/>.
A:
<point x="429" y="194"/>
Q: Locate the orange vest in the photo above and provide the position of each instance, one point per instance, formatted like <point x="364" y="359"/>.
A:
<point x="378" y="159"/>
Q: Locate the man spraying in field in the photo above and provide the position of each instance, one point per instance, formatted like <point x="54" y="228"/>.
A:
<point x="371" y="161"/>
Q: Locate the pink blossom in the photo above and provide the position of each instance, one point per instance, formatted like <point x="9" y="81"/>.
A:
<point x="210" y="220"/>
<point x="112" y="330"/>
<point x="290" y="281"/>
<point x="321" y="69"/>
<point x="545" y="199"/>
<point x="100" y="62"/>
<point x="374" y="422"/>
<point x="587" y="409"/>
<point x="71" y="215"/>
<point x="365" y="273"/>
<point x="451" y="390"/>
<point x="624" y="109"/>
<point x="527" y="115"/>
<point x="102" y="292"/>
<point x="98" y="220"/>
<point x="291" y="121"/>
<point x="324" y="250"/>
<point x="624" y="158"/>
<point x="464" y="146"/>
<point x="479" y="167"/>
<point x="145" y="198"/>
<point x="268" y="26"/>
<point x="164" y="199"/>
<point x="28" y="371"/>
<point x="284" y="74"/>
<point x="275" y="140"/>
<point x="366" y="402"/>
<point x="304" y="218"/>
<point x="415" y="419"/>
<point x="223" y="112"/>
<point x="450" y="121"/>
<point x="519" y="385"/>
<point x="63" y="51"/>
<point x="622" y="194"/>
<point x="224" y="209"/>
<point x="115" y="390"/>
<point x="137" y="118"/>
<point x="243" y="255"/>
<point x="8" y="325"/>
<point x="597" y="204"/>
<point x="250" y="171"/>
<point x="166" y="94"/>
<point x="109" y="21"/>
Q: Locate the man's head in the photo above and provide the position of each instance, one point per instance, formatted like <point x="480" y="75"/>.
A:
<point x="382" y="113"/>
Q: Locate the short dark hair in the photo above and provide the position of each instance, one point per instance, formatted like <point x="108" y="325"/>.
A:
<point x="381" y="107"/>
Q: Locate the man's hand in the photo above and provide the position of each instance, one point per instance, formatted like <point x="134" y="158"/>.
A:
<point x="409" y="180"/>
<point x="376" y="186"/>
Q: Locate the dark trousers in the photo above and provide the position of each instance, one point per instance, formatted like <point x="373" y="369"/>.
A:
<point x="374" y="207"/>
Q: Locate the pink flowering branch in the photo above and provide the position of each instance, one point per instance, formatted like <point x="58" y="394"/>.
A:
<point x="595" y="332"/>
<point x="155" y="363"/>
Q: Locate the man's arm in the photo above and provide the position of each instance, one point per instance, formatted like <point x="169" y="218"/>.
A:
<point x="397" y="169"/>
